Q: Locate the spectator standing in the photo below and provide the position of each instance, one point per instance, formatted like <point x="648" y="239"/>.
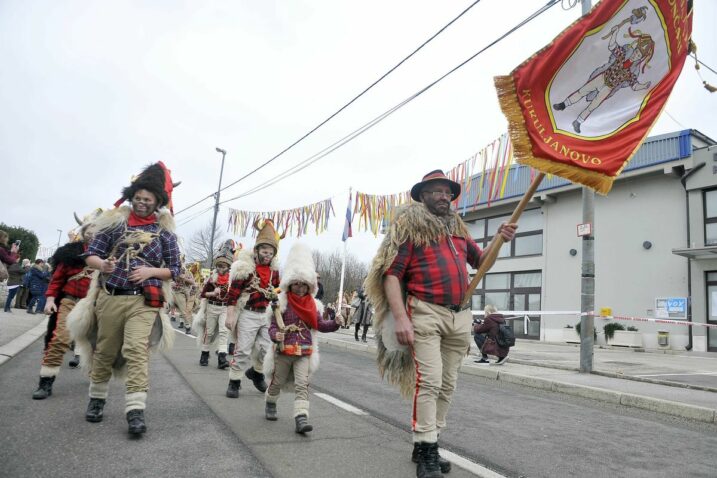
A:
<point x="24" y="290"/>
<point x="9" y="255"/>
<point x="362" y="315"/>
<point x="39" y="279"/>
<point x="14" y="280"/>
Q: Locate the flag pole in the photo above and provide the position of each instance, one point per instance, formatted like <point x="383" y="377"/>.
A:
<point x="343" y="268"/>
<point x="496" y="243"/>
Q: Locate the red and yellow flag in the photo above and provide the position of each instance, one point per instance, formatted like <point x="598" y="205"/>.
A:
<point x="581" y="106"/>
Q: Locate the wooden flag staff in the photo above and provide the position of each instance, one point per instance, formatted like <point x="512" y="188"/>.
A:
<point x="497" y="242"/>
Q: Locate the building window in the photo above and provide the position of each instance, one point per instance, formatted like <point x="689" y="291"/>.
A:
<point x="528" y="240"/>
<point x="512" y="291"/>
<point x="710" y="217"/>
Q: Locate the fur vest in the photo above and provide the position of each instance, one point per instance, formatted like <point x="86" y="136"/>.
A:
<point x="314" y="357"/>
<point x="414" y="223"/>
<point x="82" y="320"/>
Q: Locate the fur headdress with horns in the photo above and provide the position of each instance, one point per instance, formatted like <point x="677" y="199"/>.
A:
<point x="225" y="255"/>
<point x="267" y="234"/>
<point x="155" y="178"/>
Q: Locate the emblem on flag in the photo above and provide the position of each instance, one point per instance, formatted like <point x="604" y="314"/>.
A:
<point x="581" y="107"/>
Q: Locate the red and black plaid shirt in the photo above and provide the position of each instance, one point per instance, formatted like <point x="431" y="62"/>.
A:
<point x="436" y="273"/>
<point x="60" y="282"/>
<point x="256" y="298"/>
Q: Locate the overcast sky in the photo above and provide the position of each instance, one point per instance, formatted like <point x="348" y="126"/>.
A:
<point x="91" y="92"/>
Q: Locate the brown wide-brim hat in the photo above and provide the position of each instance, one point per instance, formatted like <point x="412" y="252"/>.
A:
<point x="436" y="175"/>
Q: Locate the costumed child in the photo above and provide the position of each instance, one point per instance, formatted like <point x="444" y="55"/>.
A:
<point x="181" y="293"/>
<point x="122" y="318"/>
<point x="254" y="276"/>
<point x="69" y="284"/>
<point x="210" y="321"/>
<point x="296" y="320"/>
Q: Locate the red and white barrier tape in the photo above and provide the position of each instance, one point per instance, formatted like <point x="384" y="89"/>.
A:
<point x="646" y="319"/>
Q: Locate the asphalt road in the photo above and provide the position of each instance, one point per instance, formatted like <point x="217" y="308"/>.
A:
<point x="528" y="432"/>
<point x="194" y="430"/>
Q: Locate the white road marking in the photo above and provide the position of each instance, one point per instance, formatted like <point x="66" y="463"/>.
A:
<point x="470" y="466"/>
<point x="341" y="404"/>
<point x="457" y="460"/>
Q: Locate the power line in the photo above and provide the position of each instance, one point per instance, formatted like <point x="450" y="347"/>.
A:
<point x="431" y="38"/>
<point x="351" y="136"/>
<point x="194" y="204"/>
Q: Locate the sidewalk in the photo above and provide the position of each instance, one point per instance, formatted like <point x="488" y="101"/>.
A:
<point x="18" y="330"/>
<point x="683" y="384"/>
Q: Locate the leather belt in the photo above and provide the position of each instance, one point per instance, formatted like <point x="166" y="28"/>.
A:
<point x="71" y="297"/>
<point x="216" y="302"/>
<point x="456" y="308"/>
<point x="137" y="291"/>
<point x="255" y="309"/>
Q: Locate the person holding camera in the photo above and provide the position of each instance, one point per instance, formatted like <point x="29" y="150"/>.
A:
<point x="486" y="332"/>
<point x="9" y="256"/>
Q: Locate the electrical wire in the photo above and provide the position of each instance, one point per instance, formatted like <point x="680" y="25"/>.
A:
<point x="351" y="136"/>
<point x="431" y="38"/>
<point x="194" y="204"/>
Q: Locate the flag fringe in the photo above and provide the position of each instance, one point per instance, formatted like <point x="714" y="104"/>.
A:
<point x="523" y="149"/>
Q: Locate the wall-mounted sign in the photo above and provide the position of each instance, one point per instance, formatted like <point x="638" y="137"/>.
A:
<point x="585" y="229"/>
<point x="671" y="308"/>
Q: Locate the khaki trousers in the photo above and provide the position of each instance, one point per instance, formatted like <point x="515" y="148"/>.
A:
<point x="216" y="315"/>
<point x="441" y="340"/>
<point x="124" y="322"/>
<point x="60" y="340"/>
<point x="283" y="364"/>
<point x="252" y="331"/>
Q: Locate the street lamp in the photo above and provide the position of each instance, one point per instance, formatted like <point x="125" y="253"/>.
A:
<point x="216" y="208"/>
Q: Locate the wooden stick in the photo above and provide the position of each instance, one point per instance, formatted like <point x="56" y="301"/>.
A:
<point x="494" y="248"/>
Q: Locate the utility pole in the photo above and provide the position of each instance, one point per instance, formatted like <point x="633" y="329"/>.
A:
<point x="216" y="208"/>
<point x="59" y="237"/>
<point x="587" y="278"/>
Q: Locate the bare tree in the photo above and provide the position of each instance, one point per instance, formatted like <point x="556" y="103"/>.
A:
<point x="328" y="264"/>
<point x="199" y="248"/>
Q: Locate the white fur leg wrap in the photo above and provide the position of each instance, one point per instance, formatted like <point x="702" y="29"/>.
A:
<point x="135" y="401"/>
<point x="301" y="407"/>
<point x="49" y="371"/>
<point x="99" y="390"/>
<point x="271" y="398"/>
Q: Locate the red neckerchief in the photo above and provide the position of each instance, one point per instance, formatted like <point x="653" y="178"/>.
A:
<point x="264" y="273"/>
<point x="135" y="220"/>
<point x="305" y="308"/>
<point x="222" y="279"/>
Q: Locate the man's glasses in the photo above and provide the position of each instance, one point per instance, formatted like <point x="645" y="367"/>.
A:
<point x="439" y="194"/>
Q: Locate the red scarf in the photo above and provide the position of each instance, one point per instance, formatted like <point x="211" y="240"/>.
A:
<point x="134" y="220"/>
<point x="305" y="308"/>
<point x="222" y="279"/>
<point x="264" y="273"/>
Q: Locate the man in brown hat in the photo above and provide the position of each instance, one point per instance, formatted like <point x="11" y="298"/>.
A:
<point x="416" y="283"/>
<point x="254" y="278"/>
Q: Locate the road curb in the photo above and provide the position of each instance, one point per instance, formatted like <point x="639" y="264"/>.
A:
<point x="667" y="407"/>
<point x="20" y="343"/>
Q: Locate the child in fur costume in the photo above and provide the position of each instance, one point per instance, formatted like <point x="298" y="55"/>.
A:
<point x="297" y="318"/>
<point x="136" y="253"/>
<point x="210" y="321"/>
<point x="254" y="276"/>
<point x="69" y="284"/>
